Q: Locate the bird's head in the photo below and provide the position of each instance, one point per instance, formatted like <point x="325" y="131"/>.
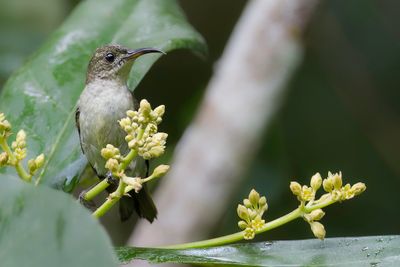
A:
<point x="114" y="62"/>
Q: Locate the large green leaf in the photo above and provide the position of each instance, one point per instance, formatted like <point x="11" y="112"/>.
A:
<point x="40" y="226"/>
<point x="359" y="251"/>
<point x="41" y="97"/>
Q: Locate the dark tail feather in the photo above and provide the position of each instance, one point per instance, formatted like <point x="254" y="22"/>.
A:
<point x="141" y="202"/>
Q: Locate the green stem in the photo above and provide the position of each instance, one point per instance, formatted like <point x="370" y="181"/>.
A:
<point x="111" y="200"/>
<point x="239" y="235"/>
<point x="106" y="206"/>
<point x="297" y="213"/>
<point x="18" y="166"/>
<point x="100" y="187"/>
<point x="133" y="153"/>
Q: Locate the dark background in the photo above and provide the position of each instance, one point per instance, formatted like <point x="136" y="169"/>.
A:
<point x="340" y="111"/>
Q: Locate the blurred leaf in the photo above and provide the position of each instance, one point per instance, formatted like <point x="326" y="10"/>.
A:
<point x="360" y="251"/>
<point x="41" y="97"/>
<point x="42" y="227"/>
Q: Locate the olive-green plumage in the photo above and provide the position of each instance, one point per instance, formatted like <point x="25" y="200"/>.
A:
<point x="105" y="100"/>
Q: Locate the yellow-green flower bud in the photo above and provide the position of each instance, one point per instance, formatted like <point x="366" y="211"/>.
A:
<point x="156" y="151"/>
<point x="358" y="188"/>
<point x="337" y="180"/>
<point x="160" y="170"/>
<point x="112" y="165"/>
<point x="133" y="144"/>
<point x="247" y="203"/>
<point x="328" y="185"/>
<point x="253" y="214"/>
<point x="145" y="108"/>
<point x="32" y="166"/>
<point x="242" y="225"/>
<point x="131" y="113"/>
<point x="254" y="197"/>
<point x="242" y="212"/>
<point x="21" y="137"/>
<point x="249" y="233"/>
<point x="125" y="122"/>
<point x="262" y="201"/>
<point x="318" y="230"/>
<point x="107" y="153"/>
<point x="317" y="215"/>
<point x="160" y="110"/>
<point x="3" y="158"/>
<point x="39" y="161"/>
<point x="316" y="181"/>
<point x="128" y="138"/>
<point x="295" y="187"/>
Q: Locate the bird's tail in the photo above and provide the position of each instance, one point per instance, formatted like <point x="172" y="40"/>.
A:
<point x="140" y="202"/>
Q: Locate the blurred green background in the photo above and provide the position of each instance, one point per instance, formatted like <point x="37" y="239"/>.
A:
<point x="340" y="110"/>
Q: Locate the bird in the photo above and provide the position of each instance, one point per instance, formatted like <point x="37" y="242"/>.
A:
<point x="103" y="101"/>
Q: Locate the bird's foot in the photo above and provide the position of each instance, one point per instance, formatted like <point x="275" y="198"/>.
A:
<point x="110" y="179"/>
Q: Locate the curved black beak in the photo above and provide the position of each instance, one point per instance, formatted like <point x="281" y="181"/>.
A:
<point x="133" y="54"/>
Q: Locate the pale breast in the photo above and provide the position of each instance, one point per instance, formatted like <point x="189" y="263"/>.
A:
<point x="101" y="105"/>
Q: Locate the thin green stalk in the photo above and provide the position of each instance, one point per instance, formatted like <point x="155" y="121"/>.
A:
<point x="133" y="153"/>
<point x="111" y="200"/>
<point x="297" y="213"/>
<point x="18" y="166"/>
<point x="106" y="206"/>
<point x="239" y="235"/>
<point x="100" y="187"/>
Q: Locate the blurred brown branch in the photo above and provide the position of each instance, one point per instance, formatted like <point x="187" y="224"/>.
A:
<point x="241" y="99"/>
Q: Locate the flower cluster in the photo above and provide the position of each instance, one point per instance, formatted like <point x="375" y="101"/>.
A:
<point x="18" y="151"/>
<point x="142" y="130"/>
<point x="335" y="191"/>
<point x="251" y="213"/>
<point x="5" y="126"/>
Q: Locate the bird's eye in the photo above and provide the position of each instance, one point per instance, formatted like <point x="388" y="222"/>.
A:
<point x="110" y="57"/>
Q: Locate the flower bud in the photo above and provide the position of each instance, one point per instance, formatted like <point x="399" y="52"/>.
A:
<point x="262" y="201"/>
<point x="242" y="225"/>
<point x="128" y="138"/>
<point x="295" y="187"/>
<point x="316" y="181"/>
<point x="112" y="165"/>
<point x="318" y="230"/>
<point x="160" y="110"/>
<point x="254" y="197"/>
<point x="160" y="170"/>
<point x="145" y="107"/>
<point x="131" y="113"/>
<point x="125" y="122"/>
<point x="247" y="203"/>
<point x="156" y="151"/>
<point x="337" y="181"/>
<point x="317" y="215"/>
<point x="242" y="212"/>
<point x="3" y="158"/>
<point x="358" y="188"/>
<point x="39" y="161"/>
<point x="21" y="137"/>
<point x="32" y="166"/>
<point x="328" y="185"/>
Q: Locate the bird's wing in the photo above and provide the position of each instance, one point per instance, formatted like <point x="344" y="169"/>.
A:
<point x="77" y="113"/>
